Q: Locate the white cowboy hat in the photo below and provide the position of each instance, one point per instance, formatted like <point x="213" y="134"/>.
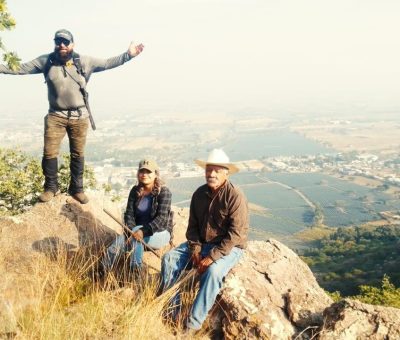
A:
<point x="218" y="157"/>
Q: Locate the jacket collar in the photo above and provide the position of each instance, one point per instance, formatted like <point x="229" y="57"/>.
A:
<point x="221" y="188"/>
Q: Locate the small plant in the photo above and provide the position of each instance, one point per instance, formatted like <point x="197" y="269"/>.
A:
<point x="335" y="296"/>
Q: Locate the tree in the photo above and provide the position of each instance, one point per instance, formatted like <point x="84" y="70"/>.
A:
<point x="318" y="216"/>
<point x="7" y="22"/>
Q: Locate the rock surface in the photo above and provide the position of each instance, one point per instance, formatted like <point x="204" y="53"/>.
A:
<point x="348" y="319"/>
<point x="270" y="294"/>
<point x="47" y="229"/>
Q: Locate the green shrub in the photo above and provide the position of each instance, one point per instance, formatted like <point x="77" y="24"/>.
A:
<point x="387" y="295"/>
<point x="335" y="296"/>
<point x="21" y="180"/>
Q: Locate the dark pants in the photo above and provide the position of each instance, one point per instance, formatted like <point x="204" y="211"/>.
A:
<point x="55" y="128"/>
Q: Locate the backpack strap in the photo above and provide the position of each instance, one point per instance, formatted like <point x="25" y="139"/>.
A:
<point x="52" y="60"/>
<point x="77" y="62"/>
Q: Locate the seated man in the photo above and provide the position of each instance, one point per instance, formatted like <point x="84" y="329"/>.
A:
<point x="216" y="236"/>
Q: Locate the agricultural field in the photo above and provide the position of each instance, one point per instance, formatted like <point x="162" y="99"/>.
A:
<point x="286" y="211"/>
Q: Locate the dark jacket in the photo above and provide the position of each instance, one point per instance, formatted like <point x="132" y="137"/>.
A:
<point x="222" y="220"/>
<point x="161" y="214"/>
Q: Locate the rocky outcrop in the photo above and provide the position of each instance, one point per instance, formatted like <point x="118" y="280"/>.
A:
<point x="59" y="226"/>
<point x="270" y="294"/>
<point x="350" y="319"/>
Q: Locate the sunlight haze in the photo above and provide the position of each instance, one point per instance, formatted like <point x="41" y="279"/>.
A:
<point x="205" y="56"/>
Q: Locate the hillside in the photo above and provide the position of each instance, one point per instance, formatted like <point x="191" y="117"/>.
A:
<point x="350" y="257"/>
<point x="50" y="287"/>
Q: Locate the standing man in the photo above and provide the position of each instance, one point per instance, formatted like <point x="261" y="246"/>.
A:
<point x="216" y="236"/>
<point x="66" y="75"/>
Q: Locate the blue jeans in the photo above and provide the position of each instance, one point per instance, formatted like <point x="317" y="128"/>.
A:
<point x="178" y="259"/>
<point x="120" y="245"/>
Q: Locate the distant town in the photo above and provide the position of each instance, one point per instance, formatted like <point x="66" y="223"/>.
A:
<point x="361" y="150"/>
<point x="376" y="172"/>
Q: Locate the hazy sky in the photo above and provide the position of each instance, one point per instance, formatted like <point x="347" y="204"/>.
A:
<point x="218" y="55"/>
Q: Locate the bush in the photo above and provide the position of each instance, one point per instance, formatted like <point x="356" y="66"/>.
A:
<point x="387" y="295"/>
<point x="21" y="180"/>
<point x="335" y="296"/>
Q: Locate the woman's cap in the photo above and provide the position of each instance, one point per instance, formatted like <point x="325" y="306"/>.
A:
<point x="148" y="164"/>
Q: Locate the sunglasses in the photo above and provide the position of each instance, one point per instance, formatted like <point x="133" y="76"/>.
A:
<point x="59" y="41"/>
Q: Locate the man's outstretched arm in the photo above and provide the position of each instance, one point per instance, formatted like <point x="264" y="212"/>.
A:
<point x="98" y="65"/>
<point x="31" y="67"/>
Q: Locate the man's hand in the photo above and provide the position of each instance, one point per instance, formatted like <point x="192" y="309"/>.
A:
<point x="135" y="50"/>
<point x="138" y="235"/>
<point x="204" y="264"/>
<point x="196" y="258"/>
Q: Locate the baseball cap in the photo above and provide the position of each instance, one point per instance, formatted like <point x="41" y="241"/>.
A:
<point x="65" y="34"/>
<point x="148" y="164"/>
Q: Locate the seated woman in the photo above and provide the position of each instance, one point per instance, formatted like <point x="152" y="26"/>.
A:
<point x="147" y="215"/>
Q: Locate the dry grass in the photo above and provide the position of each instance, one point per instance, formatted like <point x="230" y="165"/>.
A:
<point x="65" y="300"/>
<point x="314" y="233"/>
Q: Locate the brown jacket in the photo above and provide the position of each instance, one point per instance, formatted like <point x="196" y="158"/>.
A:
<point x="222" y="220"/>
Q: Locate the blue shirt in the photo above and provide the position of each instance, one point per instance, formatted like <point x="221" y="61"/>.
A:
<point x="143" y="210"/>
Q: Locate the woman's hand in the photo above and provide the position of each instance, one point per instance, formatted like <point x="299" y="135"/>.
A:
<point x="138" y="235"/>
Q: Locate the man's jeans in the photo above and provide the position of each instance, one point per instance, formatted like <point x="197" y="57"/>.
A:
<point x="56" y="127"/>
<point x="119" y="246"/>
<point x="178" y="259"/>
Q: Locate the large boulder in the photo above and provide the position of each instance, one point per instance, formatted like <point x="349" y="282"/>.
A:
<point x="270" y="294"/>
<point x="349" y="319"/>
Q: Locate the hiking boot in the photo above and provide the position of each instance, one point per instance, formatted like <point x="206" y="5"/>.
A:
<point x="49" y="167"/>
<point x="46" y="196"/>
<point x="80" y="197"/>
<point x="77" y="166"/>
